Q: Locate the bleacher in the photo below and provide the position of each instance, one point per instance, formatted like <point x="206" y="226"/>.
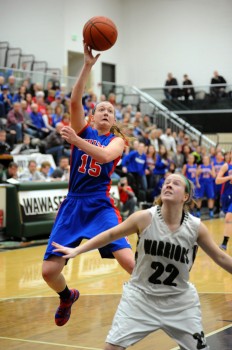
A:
<point x="163" y="113"/>
<point x="24" y="65"/>
<point x="206" y="112"/>
<point x="178" y="114"/>
<point x="197" y="116"/>
<point x="14" y="58"/>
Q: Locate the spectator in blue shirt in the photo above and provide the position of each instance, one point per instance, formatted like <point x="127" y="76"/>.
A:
<point x="161" y="165"/>
<point x="57" y="116"/>
<point x="135" y="163"/>
<point x="38" y="122"/>
<point x="20" y="95"/>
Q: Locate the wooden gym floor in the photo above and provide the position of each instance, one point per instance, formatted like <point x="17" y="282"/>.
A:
<point x="27" y="305"/>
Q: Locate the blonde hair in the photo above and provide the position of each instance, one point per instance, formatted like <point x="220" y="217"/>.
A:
<point x="117" y="131"/>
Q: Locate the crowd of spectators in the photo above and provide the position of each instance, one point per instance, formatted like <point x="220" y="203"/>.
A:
<point x="36" y="112"/>
<point x="31" y="120"/>
<point x="146" y="165"/>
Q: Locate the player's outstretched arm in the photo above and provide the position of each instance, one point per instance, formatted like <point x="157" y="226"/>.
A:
<point x="220" y="179"/>
<point x="135" y="223"/>
<point x="207" y="243"/>
<point x="77" y="113"/>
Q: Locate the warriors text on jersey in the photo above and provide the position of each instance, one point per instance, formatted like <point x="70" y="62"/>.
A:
<point x="164" y="258"/>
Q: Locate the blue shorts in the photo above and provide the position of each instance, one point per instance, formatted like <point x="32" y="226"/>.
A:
<point x="84" y="217"/>
<point x="226" y="200"/>
<point x="206" y="190"/>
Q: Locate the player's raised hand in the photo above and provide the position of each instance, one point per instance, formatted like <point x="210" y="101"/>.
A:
<point x="68" y="134"/>
<point x="88" y="55"/>
<point x="68" y="252"/>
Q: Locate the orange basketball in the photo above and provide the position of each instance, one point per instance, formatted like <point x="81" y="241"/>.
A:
<point x="100" y="33"/>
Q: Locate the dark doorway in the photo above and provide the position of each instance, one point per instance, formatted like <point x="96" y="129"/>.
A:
<point x="108" y="76"/>
<point x="75" y="63"/>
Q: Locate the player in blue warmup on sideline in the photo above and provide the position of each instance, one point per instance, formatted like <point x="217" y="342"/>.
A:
<point x="205" y="185"/>
<point x="224" y="177"/>
<point x="88" y="208"/>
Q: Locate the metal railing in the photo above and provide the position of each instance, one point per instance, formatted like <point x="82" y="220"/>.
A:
<point x="159" y="114"/>
<point x="222" y="139"/>
<point x="166" y="118"/>
<point x="211" y="98"/>
<point x="41" y="75"/>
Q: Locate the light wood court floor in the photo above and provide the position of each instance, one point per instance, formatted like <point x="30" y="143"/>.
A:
<point x="27" y="305"/>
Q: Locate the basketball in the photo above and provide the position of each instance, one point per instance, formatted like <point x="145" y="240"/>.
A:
<point x="100" y="33"/>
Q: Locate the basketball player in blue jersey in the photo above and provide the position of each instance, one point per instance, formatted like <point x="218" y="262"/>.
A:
<point x="88" y="208"/>
<point x="224" y="177"/>
<point x="159" y="294"/>
<point x="189" y="170"/>
<point x="218" y="163"/>
<point x="205" y="186"/>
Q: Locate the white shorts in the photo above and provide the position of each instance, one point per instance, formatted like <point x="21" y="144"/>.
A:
<point x="140" y="314"/>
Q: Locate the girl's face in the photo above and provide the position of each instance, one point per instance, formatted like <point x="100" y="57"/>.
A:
<point x="212" y="151"/>
<point x="49" y="110"/>
<point x="22" y="89"/>
<point x="162" y="149"/>
<point x="126" y="117"/>
<point x="186" y="149"/>
<point x="104" y="116"/>
<point x="219" y="156"/>
<point x="141" y="148"/>
<point x="228" y="157"/>
<point x="45" y="169"/>
<point x="191" y="159"/>
<point x="174" y="189"/>
<point x="151" y="149"/>
<point x="58" y="110"/>
<point x="203" y="150"/>
<point x="135" y="144"/>
<point x="28" y="97"/>
<point x="206" y="160"/>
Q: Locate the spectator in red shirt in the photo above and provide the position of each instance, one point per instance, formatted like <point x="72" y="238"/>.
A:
<point x="127" y="197"/>
<point x="65" y="119"/>
<point x="42" y="108"/>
